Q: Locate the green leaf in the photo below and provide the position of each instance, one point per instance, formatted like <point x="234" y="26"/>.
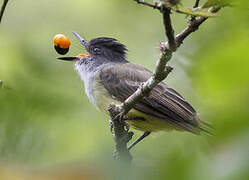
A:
<point x="194" y="12"/>
<point x="178" y="7"/>
<point x="219" y="3"/>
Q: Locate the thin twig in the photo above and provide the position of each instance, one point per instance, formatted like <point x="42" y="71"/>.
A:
<point x="155" y="6"/>
<point x="169" y="29"/>
<point x="161" y="73"/>
<point x="192" y="27"/>
<point x="195" y="6"/>
<point x="196" y="3"/>
<point x="3" y="8"/>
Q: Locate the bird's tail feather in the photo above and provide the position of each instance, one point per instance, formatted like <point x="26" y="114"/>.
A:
<point x="205" y="126"/>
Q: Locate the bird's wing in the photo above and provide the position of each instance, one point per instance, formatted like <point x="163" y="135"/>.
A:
<point x="122" y="80"/>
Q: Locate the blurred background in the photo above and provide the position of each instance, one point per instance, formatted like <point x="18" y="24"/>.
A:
<point x="49" y="129"/>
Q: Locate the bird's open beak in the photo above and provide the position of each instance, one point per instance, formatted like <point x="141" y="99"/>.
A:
<point x="72" y="58"/>
<point x="68" y="58"/>
<point x="83" y="42"/>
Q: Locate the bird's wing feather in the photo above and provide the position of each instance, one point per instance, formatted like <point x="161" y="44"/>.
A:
<point x="122" y="80"/>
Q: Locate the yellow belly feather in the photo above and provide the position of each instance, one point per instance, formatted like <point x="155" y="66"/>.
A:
<point x="103" y="99"/>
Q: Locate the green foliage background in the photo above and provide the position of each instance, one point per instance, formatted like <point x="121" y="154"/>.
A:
<point x="46" y="119"/>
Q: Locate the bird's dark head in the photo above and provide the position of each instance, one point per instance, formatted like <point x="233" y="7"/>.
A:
<point x="105" y="47"/>
<point x="102" y="49"/>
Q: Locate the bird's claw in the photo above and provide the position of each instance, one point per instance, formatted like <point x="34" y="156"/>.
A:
<point x="127" y="126"/>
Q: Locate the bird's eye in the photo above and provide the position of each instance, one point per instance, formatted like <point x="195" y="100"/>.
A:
<point x="96" y="50"/>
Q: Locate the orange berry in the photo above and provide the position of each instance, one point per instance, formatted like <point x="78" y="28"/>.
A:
<point x="62" y="41"/>
<point x="61" y="44"/>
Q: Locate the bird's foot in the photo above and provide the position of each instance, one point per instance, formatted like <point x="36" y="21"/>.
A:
<point x="127" y="126"/>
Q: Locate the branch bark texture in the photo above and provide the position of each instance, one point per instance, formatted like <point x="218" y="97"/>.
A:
<point x="155" y="5"/>
<point x="5" y="2"/>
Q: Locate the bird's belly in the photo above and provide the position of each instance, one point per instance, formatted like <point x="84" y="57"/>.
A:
<point x="102" y="99"/>
<point x="149" y="123"/>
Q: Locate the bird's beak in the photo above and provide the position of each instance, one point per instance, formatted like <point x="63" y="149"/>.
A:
<point x="72" y="58"/>
<point x="68" y="58"/>
<point x="83" y="42"/>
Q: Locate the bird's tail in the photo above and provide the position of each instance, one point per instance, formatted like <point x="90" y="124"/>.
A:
<point x="205" y="126"/>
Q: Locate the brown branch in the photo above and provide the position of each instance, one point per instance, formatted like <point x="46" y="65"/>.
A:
<point x="169" y="31"/>
<point x="196" y="3"/>
<point x="3" y="8"/>
<point x="118" y="112"/>
<point x="192" y="27"/>
<point x="195" y="6"/>
<point x="120" y="135"/>
<point x="160" y="74"/>
<point x="155" y="6"/>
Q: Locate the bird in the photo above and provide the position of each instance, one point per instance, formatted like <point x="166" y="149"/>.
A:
<point x="109" y="77"/>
